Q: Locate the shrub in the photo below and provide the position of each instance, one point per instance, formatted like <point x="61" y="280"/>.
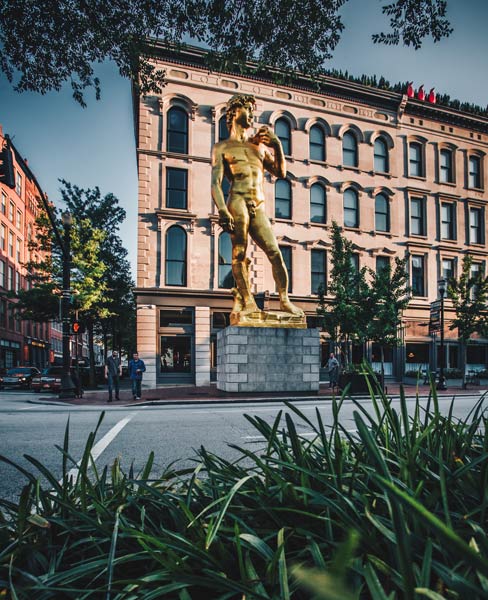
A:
<point x="396" y="510"/>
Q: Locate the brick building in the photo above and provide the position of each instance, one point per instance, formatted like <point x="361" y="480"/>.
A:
<point x="21" y="342"/>
<point x="403" y="177"/>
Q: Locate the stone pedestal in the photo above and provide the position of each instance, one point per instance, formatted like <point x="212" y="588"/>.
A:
<point x="268" y="359"/>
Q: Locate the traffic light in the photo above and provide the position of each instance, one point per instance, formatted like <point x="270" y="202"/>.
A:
<point x="77" y="327"/>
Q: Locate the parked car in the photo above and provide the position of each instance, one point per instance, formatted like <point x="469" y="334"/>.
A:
<point x="18" y="377"/>
<point x="49" y="379"/>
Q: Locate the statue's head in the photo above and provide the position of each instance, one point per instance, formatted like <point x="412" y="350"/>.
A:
<point x="236" y="102"/>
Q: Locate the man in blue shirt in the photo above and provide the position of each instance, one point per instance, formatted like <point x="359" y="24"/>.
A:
<point x="136" y="369"/>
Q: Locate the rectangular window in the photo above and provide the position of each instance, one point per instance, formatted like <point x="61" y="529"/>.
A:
<point x="19" y="220"/>
<point x="17" y="250"/>
<point x="474" y="172"/>
<point x="17" y="281"/>
<point x="11" y="278"/>
<point x="3" y="313"/>
<point x="3" y="238"/>
<point x="175" y="318"/>
<point x="10" y="244"/>
<point x="445" y="167"/>
<point x="175" y="354"/>
<point x="475" y="271"/>
<point x="447" y="271"/>
<point x="417" y="216"/>
<point x="11" y="317"/>
<point x="382" y="262"/>
<point x="318" y="270"/>
<point x="476" y="225"/>
<point x="18" y="184"/>
<point x="2" y="273"/>
<point x="355" y="262"/>
<point x="176" y="188"/>
<point x="4" y="203"/>
<point x="11" y="211"/>
<point x="415" y="160"/>
<point x="448" y="215"/>
<point x="286" y="253"/>
<point x="418" y="276"/>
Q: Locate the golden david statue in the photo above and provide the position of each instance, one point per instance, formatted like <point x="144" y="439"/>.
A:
<point x="243" y="161"/>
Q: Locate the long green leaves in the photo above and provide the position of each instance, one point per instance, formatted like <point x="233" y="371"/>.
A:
<point x="394" y="511"/>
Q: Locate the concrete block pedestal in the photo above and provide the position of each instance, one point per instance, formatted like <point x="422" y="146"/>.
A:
<point x="268" y="359"/>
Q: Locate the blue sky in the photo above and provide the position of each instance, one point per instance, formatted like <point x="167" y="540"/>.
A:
<point x="95" y="146"/>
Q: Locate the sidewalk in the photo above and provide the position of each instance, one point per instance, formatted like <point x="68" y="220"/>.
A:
<point x="190" y="394"/>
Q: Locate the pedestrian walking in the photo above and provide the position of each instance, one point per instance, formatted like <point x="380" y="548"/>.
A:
<point x="333" y="370"/>
<point x="136" y="369"/>
<point x="113" y="371"/>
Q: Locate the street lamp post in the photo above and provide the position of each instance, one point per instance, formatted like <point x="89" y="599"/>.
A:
<point x="67" y="386"/>
<point x="441" y="286"/>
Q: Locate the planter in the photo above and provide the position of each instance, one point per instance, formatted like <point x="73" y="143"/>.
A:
<point x="357" y="382"/>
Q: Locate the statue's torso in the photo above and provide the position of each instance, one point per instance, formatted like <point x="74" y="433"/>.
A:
<point x="244" y="165"/>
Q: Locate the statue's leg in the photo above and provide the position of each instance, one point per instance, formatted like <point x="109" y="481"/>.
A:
<point x="240" y="264"/>
<point x="262" y="233"/>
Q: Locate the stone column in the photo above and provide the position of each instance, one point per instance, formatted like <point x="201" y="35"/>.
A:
<point x="146" y="340"/>
<point x="202" y="345"/>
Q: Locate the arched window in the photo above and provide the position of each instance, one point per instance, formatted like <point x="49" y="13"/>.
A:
<point x="283" y="199"/>
<point x="317" y="204"/>
<point x="226" y="280"/>
<point x="351" y="208"/>
<point x="381" y="213"/>
<point x="177" y="131"/>
<point x="223" y="131"/>
<point x="381" y="156"/>
<point x="175" y="256"/>
<point x="349" y="150"/>
<point x="317" y="143"/>
<point x="283" y="131"/>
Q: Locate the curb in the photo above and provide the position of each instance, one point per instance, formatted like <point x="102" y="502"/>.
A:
<point x="242" y="400"/>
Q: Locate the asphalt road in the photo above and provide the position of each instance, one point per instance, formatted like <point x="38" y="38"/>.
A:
<point x="173" y="432"/>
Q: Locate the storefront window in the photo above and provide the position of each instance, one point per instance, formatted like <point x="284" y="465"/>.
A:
<point x="175" y="354"/>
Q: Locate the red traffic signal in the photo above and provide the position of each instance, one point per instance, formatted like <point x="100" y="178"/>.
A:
<point x="77" y="327"/>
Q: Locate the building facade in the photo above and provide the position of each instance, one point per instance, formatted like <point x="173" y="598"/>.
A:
<point x="401" y="176"/>
<point x="21" y="342"/>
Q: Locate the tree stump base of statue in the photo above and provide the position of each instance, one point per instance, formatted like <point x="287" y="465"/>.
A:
<point x="268" y="359"/>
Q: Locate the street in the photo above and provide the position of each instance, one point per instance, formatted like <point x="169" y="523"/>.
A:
<point x="173" y="432"/>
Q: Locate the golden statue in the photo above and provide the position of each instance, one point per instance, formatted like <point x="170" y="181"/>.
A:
<point x="243" y="160"/>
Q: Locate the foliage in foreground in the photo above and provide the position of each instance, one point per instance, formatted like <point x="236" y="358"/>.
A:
<point x="397" y="509"/>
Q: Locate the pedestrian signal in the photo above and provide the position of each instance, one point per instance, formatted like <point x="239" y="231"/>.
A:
<point x="77" y="327"/>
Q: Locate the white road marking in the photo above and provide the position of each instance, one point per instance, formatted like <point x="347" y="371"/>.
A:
<point x="100" y="446"/>
<point x="27" y="408"/>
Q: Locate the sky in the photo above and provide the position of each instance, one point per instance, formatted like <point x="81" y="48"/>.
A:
<point x="95" y="146"/>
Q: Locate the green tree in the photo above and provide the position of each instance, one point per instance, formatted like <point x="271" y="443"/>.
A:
<point x="469" y="296"/>
<point x="100" y="272"/>
<point x="389" y="297"/>
<point x="46" y="44"/>
<point x="345" y="317"/>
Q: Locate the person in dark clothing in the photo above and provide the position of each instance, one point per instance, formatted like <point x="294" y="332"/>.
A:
<point x="136" y="369"/>
<point x="333" y="370"/>
<point x="113" y="371"/>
